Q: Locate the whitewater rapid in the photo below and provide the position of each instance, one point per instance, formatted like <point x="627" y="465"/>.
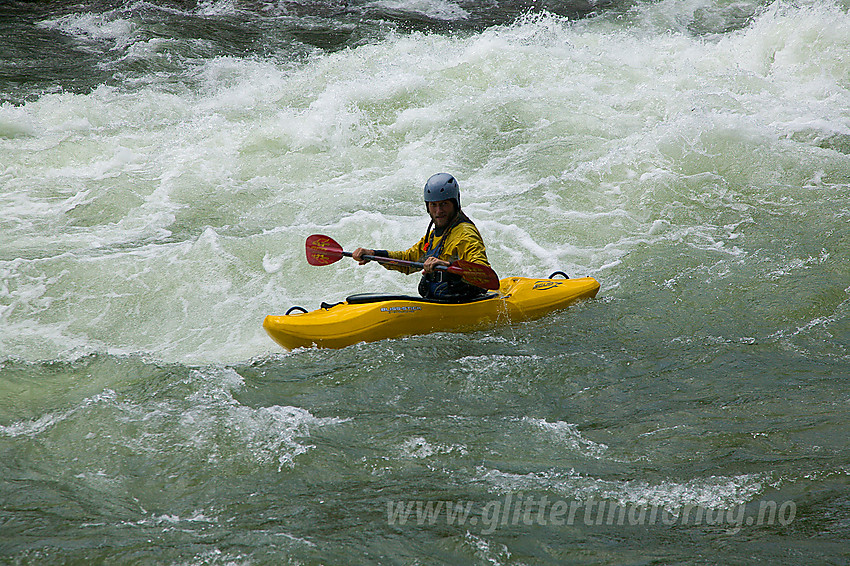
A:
<point x="168" y="215"/>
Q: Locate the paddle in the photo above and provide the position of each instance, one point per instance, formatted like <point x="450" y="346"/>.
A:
<point x="323" y="250"/>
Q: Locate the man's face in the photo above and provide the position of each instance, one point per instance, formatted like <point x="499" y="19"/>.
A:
<point x="442" y="212"/>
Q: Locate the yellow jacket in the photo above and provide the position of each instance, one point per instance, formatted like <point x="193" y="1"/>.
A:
<point x="462" y="241"/>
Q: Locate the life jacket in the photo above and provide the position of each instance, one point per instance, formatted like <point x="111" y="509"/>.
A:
<point x="442" y="284"/>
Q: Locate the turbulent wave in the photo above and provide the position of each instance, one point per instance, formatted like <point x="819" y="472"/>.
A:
<point x="577" y="145"/>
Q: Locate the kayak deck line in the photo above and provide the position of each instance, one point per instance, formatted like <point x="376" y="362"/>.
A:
<point x="367" y="317"/>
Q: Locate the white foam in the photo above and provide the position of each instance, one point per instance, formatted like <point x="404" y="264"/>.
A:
<point x="44" y="423"/>
<point x="708" y="492"/>
<point x="170" y="220"/>
<point x="569" y="435"/>
<point x="420" y="448"/>
<point x="88" y="26"/>
<point x="33" y="427"/>
<point x="438" y="9"/>
<point x="208" y="426"/>
<point x="216" y="7"/>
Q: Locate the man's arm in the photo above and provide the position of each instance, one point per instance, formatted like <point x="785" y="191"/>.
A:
<point x="413" y="253"/>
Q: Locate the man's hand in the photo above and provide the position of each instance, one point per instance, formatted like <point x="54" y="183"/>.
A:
<point x="432" y="262"/>
<point x="359" y="253"/>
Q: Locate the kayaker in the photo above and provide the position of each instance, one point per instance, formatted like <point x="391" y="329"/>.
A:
<point x="453" y="237"/>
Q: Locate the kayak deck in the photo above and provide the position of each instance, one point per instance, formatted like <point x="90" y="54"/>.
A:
<point x="367" y="318"/>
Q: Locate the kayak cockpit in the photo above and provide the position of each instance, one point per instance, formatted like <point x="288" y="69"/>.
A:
<point x="364" y="298"/>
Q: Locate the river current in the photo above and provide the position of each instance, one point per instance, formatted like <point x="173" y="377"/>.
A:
<point x="162" y="163"/>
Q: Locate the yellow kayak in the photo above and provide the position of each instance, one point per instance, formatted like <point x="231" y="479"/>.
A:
<point x="370" y="317"/>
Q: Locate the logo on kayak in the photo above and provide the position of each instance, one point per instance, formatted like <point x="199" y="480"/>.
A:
<point x="546" y="285"/>
<point x="400" y="309"/>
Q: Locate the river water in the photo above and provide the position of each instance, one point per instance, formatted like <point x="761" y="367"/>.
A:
<point x="162" y="162"/>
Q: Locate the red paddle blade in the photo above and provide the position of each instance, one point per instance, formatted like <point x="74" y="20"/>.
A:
<point x="479" y="275"/>
<point x="322" y="250"/>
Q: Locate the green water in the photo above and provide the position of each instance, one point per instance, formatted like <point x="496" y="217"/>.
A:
<point x="693" y="157"/>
